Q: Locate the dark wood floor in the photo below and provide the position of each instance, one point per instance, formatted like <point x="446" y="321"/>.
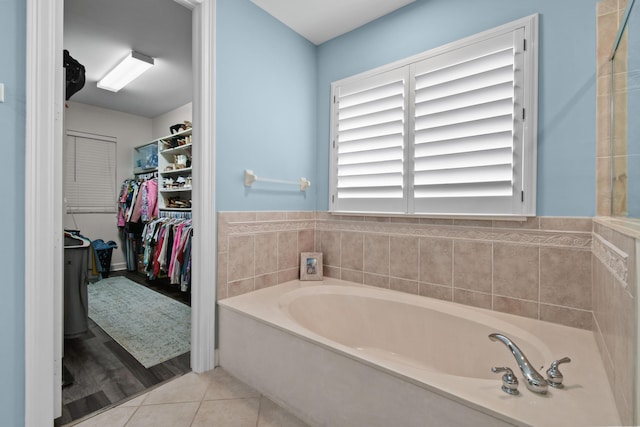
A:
<point x="98" y="372"/>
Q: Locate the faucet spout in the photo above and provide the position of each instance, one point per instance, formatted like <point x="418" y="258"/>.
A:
<point x="533" y="380"/>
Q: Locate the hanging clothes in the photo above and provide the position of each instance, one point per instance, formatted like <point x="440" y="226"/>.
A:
<point x="138" y="201"/>
<point x="167" y="250"/>
<point x="145" y="206"/>
<point x="137" y="204"/>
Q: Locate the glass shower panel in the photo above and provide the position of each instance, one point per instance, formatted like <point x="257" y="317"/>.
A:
<point x="633" y="113"/>
<point x="625" y="123"/>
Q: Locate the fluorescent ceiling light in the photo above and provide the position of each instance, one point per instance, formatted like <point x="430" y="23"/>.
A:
<point x="126" y="71"/>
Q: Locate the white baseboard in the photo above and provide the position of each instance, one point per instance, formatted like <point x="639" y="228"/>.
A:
<point x="118" y="266"/>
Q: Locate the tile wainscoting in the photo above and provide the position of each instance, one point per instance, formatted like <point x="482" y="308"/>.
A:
<point x="540" y="268"/>
<point x="260" y="249"/>
<point x="614" y="306"/>
<point x="579" y="272"/>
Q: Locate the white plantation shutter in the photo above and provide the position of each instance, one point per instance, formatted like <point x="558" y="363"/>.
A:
<point x="449" y="132"/>
<point x="468" y="128"/>
<point x="370" y="127"/>
<point x="90" y="173"/>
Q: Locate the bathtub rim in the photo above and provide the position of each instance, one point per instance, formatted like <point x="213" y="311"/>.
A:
<point x="262" y="315"/>
<point x="446" y="308"/>
<point x="345" y="351"/>
<point x="243" y="370"/>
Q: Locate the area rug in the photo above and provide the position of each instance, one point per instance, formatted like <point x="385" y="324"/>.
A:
<point x="150" y="326"/>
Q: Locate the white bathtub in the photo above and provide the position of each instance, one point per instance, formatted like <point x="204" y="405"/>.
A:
<point x="340" y="354"/>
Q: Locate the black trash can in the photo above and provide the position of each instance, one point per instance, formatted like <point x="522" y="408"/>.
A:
<point x="103" y="253"/>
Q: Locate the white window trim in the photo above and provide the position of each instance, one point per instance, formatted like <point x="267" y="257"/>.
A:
<point x="530" y="104"/>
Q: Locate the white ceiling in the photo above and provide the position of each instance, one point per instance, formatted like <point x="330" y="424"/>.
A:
<point x="99" y="33"/>
<point x="322" y="20"/>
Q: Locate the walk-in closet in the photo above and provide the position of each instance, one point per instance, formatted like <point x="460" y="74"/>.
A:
<point x="127" y="201"/>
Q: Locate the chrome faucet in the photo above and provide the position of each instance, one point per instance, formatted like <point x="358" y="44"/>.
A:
<point x="533" y="380"/>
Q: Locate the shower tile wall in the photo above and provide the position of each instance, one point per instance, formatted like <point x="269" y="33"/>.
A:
<point x="614" y="293"/>
<point x="540" y="268"/>
<point x="614" y="272"/>
<point x="609" y="14"/>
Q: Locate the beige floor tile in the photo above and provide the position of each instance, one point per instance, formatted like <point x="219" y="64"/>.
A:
<point x="116" y="417"/>
<point x="188" y="388"/>
<point x="167" y="415"/>
<point x="227" y="402"/>
<point x="224" y="386"/>
<point x="228" y="413"/>
<point x="272" y="415"/>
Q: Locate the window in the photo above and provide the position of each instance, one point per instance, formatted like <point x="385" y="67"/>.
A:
<point x="449" y="132"/>
<point x="89" y="173"/>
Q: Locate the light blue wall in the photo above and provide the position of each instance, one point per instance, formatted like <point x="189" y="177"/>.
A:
<point x="566" y="124"/>
<point x="266" y="110"/>
<point x="12" y="114"/>
<point x="274" y="119"/>
<point x="264" y="72"/>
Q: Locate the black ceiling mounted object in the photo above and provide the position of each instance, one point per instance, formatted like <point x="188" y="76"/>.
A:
<point x="75" y="77"/>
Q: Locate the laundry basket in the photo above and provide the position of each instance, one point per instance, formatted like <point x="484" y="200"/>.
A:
<point x="103" y="253"/>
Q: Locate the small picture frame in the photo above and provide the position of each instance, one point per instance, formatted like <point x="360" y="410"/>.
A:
<point x="311" y="266"/>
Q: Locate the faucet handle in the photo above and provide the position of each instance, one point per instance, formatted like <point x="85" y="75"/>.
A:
<point x="509" y="381"/>
<point x="554" y="376"/>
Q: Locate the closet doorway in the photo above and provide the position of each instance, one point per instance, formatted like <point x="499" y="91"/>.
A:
<point x="137" y="333"/>
<point x="44" y="194"/>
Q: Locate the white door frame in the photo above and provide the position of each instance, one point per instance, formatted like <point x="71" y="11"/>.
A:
<point x="43" y="202"/>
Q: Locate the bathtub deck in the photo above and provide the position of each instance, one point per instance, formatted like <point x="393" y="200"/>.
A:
<point x="261" y="344"/>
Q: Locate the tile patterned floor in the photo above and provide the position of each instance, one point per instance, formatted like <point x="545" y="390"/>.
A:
<point x="214" y="398"/>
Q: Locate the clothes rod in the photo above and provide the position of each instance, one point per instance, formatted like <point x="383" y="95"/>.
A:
<point x="250" y="177"/>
